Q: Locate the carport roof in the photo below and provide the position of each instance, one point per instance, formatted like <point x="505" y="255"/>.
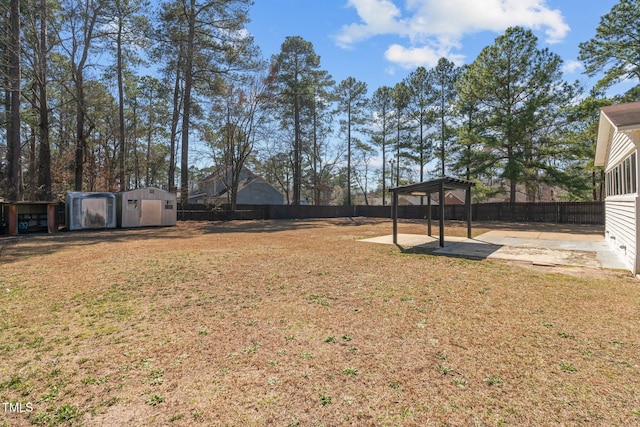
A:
<point x="425" y="188"/>
<point x="433" y="186"/>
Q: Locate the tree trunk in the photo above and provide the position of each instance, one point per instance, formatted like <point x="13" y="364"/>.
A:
<point x="442" y="129"/>
<point x="297" y="167"/>
<point x="316" y="183"/>
<point x="151" y="119"/>
<point x="349" y="155"/>
<point x="13" y="144"/>
<point x="33" y="165"/>
<point x="121" y="124"/>
<point x="80" y="136"/>
<point x="44" y="152"/>
<point x="78" y="76"/>
<point x="186" y="107"/>
<point x="134" y="143"/>
<point x="177" y="106"/>
<point x="397" y="155"/>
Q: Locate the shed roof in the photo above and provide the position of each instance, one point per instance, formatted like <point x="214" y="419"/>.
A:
<point x="618" y="118"/>
<point x="433" y="186"/>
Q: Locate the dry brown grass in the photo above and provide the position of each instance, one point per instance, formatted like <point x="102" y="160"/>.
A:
<point x="298" y="323"/>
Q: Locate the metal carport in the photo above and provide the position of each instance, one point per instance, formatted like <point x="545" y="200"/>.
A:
<point x="426" y="188"/>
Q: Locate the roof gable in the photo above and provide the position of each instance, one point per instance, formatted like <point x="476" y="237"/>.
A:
<point x="623" y="116"/>
<point x="615" y="118"/>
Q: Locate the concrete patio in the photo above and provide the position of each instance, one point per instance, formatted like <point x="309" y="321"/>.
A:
<point x="548" y="248"/>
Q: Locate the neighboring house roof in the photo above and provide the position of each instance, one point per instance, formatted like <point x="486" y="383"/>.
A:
<point x="615" y="118"/>
<point x="213" y="188"/>
<point x="451" y="198"/>
<point x="252" y="190"/>
<point x="224" y="174"/>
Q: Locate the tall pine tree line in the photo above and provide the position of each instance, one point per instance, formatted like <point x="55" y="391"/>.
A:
<point x="82" y="111"/>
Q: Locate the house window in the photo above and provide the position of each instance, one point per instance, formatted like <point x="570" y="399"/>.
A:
<point x="132" y="205"/>
<point x="168" y="204"/>
<point x="622" y="179"/>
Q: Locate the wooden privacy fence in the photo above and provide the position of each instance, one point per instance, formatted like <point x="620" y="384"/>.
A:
<point x="551" y="212"/>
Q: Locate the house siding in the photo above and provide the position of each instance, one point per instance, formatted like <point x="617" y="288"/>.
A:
<point x="621" y="146"/>
<point x="259" y="192"/>
<point x="621" y="212"/>
<point x="621" y="227"/>
<point x="619" y="138"/>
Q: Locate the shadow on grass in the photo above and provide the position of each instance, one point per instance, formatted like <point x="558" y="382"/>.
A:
<point x="14" y="248"/>
<point x="263" y="226"/>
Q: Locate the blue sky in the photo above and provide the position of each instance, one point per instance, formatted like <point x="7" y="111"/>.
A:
<point x="381" y="41"/>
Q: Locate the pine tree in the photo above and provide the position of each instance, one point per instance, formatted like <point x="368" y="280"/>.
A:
<point x="352" y="102"/>
<point x="615" y="49"/>
<point x="296" y="76"/>
<point x="521" y="98"/>
<point x="382" y="109"/>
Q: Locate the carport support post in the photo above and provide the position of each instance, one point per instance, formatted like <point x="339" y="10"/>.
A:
<point x="441" y="214"/>
<point x="429" y="214"/>
<point x="467" y="202"/>
<point x="394" y="214"/>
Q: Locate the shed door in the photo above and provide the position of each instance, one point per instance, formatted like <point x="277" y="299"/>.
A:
<point x="94" y="213"/>
<point x="151" y="213"/>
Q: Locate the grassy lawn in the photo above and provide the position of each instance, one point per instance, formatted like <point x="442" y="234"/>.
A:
<point x="291" y="323"/>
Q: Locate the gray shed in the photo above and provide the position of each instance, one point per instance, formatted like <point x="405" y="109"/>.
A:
<point x="90" y="210"/>
<point x="146" y="207"/>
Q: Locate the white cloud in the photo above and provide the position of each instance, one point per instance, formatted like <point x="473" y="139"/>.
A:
<point x="455" y="18"/>
<point x="439" y="25"/>
<point x="378" y="16"/>
<point x="572" y="67"/>
<point x="418" y="56"/>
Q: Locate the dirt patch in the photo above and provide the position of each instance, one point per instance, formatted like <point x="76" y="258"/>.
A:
<point x="297" y="323"/>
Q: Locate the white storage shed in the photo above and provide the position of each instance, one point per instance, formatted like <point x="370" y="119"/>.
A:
<point x="617" y="152"/>
<point x="146" y="207"/>
<point x="90" y="210"/>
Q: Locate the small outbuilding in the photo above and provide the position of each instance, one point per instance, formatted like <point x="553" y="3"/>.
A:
<point x="90" y="210"/>
<point x="617" y="152"/>
<point x="29" y="217"/>
<point x="146" y="207"/>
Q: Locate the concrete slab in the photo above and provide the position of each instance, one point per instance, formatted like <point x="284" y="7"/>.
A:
<point x="540" y="248"/>
<point x="413" y="240"/>
<point x="544" y="235"/>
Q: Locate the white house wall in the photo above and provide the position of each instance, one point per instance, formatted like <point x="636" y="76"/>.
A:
<point x="620" y="229"/>
<point x="621" y="146"/>
<point x="621" y="212"/>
